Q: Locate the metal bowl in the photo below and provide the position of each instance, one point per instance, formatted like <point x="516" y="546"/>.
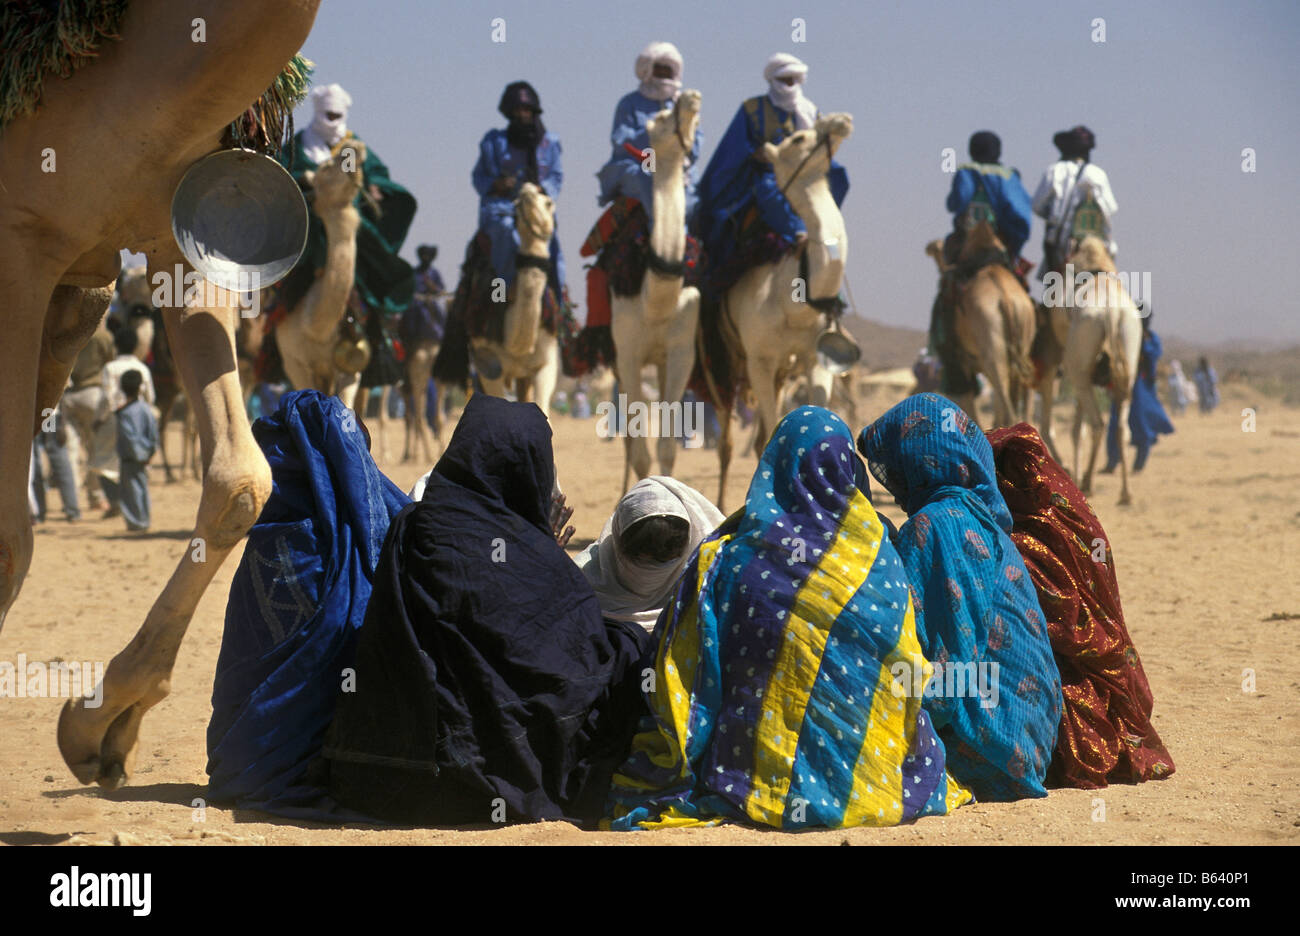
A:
<point x="240" y="219"/>
<point x="837" y="351"/>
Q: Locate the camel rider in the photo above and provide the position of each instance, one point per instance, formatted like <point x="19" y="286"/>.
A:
<point x="1067" y="184"/>
<point x="426" y="319"/>
<point x="982" y="189"/>
<point x="984" y="180"/>
<point x="659" y="69"/>
<point x="384" y="281"/>
<point x="739" y="198"/>
<point x="522" y="152"/>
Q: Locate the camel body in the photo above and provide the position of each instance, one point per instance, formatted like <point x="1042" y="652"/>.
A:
<point x="994" y="326"/>
<point x="529" y="356"/>
<point x="772" y="310"/>
<point x="1107" y="322"/>
<point x="60" y="234"/>
<point x="657" y="326"/>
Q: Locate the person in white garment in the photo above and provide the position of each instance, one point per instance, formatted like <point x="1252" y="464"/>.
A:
<point x="1065" y="185"/>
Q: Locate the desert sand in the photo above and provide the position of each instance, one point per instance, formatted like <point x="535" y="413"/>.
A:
<point x="1209" y="569"/>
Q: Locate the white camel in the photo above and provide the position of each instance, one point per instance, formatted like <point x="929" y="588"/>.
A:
<point x="657" y="326"/>
<point x="529" y="356"/>
<point x="1100" y="319"/>
<point x="776" y="309"/>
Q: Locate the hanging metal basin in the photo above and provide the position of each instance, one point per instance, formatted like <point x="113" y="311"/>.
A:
<point x="240" y="219"/>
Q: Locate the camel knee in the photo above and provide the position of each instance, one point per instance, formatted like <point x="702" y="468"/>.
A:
<point x="232" y="501"/>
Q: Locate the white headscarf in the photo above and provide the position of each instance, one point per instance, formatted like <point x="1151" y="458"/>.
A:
<point x="632" y="591"/>
<point x="659" y="53"/>
<point x="790" y="98"/>
<point x="319" y="138"/>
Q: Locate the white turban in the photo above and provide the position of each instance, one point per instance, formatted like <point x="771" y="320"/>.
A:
<point x="790" y="98"/>
<point x="637" y="592"/>
<point x="659" y="53"/>
<point x="323" y="133"/>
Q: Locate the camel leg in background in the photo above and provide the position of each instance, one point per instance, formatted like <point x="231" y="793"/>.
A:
<point x="544" y="381"/>
<point x="724" y="453"/>
<point x="99" y="744"/>
<point x="419" y="367"/>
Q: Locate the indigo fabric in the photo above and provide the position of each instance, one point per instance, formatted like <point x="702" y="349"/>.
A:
<point x="488" y="686"/>
<point x="296" y="604"/>
<point x="976" y="604"/>
<point x="786" y="666"/>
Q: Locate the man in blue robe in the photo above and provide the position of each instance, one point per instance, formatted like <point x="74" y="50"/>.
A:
<point x="659" y="69"/>
<point x="982" y="189"/>
<point x="1147" y="419"/>
<point x="523" y="152"/>
<point x="736" y="181"/>
<point x="137" y="440"/>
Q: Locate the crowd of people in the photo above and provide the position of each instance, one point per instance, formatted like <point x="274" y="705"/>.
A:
<point x="437" y="657"/>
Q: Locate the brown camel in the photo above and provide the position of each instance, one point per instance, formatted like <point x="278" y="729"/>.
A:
<point x="60" y="234"/>
<point x="994" y="326"/>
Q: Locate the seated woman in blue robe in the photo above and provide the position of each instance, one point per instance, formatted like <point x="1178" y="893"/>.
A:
<point x="488" y="686"/>
<point x="734" y="181"/>
<point x="977" y="613"/>
<point x="1147" y="419"/>
<point x="523" y="152"/>
<point x="295" y="608"/>
<point x="659" y="69"/>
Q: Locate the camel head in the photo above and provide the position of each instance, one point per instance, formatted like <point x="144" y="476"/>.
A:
<point x="1091" y="254"/>
<point x="980" y="238"/>
<point x="673" y="130"/>
<point x="534" y="212"/>
<point x="335" y="183"/>
<point x="805" y="156"/>
<point x="935" y="249"/>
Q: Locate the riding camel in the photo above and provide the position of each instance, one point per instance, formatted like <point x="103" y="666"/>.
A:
<point x="1100" y="329"/>
<point x="529" y="355"/>
<point x="657" y="326"/>
<point x="993" y="326"/>
<point x="60" y="236"/>
<point x="775" y="308"/>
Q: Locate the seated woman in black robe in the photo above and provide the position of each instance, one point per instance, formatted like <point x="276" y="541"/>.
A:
<point x="487" y="687"/>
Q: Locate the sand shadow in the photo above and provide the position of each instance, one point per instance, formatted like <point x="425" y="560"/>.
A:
<point x="152" y="535"/>
<point x="28" y="837"/>
<point x="168" y="794"/>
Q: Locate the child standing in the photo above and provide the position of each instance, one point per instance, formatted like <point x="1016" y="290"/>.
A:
<point x="137" y="438"/>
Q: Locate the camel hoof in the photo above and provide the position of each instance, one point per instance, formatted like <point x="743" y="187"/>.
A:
<point x="1126" y="500"/>
<point x="114" y="778"/>
<point x="79" y="753"/>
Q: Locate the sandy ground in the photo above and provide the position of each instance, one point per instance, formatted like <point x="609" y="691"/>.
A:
<point x="1208" y="564"/>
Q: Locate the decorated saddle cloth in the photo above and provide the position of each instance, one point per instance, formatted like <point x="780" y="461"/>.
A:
<point x="1106" y="733"/>
<point x="787" y="665"/>
<point x="478" y="310"/>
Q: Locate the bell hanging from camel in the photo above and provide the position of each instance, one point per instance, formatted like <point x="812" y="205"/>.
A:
<point x="240" y="219"/>
<point x="836" y="349"/>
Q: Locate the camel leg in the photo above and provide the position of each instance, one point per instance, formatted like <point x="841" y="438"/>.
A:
<point x="1125" y="498"/>
<point x="418" y="368"/>
<point x="967" y="402"/>
<point x="26" y="296"/>
<point x="544" y="380"/>
<point x="762" y="377"/>
<point x="724" y="453"/>
<point x="1048" y="390"/>
<point x="348" y="388"/>
<point x="100" y="744"/>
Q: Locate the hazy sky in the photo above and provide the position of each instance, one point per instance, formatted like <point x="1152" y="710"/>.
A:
<point x="1174" y="95"/>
